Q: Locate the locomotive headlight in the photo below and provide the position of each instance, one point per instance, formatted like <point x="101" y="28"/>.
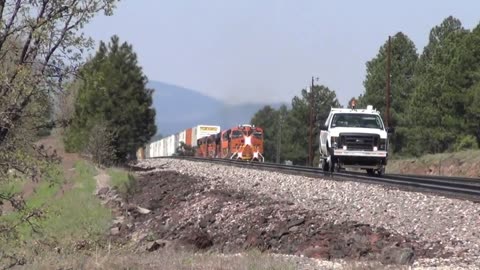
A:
<point x="383" y="145"/>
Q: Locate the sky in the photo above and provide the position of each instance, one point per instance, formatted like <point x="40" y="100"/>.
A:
<point x="267" y="51"/>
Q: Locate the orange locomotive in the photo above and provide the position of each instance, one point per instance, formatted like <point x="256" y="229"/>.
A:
<point x="244" y="142"/>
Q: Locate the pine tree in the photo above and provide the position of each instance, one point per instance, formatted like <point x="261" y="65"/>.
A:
<point x="114" y="91"/>
<point x="298" y="121"/>
<point x="472" y="103"/>
<point x="438" y="103"/>
<point x="403" y="60"/>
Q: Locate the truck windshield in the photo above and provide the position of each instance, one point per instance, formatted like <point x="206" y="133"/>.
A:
<point x="358" y="120"/>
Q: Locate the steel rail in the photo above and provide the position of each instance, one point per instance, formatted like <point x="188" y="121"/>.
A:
<point x="457" y="185"/>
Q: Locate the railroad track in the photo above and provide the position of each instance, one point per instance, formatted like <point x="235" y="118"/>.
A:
<point x="454" y="185"/>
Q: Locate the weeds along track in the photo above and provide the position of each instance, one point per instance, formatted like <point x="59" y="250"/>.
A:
<point x="464" y="187"/>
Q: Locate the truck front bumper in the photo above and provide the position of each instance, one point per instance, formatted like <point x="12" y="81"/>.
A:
<point x="360" y="159"/>
<point x="353" y="153"/>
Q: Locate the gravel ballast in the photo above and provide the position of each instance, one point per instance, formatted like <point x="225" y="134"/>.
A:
<point x="434" y="220"/>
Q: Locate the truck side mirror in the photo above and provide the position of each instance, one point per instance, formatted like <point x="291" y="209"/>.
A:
<point x="390" y="130"/>
<point x="323" y="127"/>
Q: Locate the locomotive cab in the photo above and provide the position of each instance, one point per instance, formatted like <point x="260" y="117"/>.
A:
<point x="246" y="143"/>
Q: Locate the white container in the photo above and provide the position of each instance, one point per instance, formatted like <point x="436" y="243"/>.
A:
<point x="201" y="131"/>
<point x="182" y="137"/>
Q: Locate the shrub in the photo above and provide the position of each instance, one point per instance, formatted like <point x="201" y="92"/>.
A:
<point x="185" y="150"/>
<point x="466" y="142"/>
<point x="100" y="146"/>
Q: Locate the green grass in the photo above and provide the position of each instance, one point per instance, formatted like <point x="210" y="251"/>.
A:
<point x="122" y="180"/>
<point x="163" y="259"/>
<point x="74" y="216"/>
<point x="78" y="215"/>
<point x="44" y="194"/>
<point x="11" y="186"/>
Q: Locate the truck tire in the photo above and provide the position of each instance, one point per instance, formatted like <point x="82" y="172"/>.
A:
<point x="324" y="164"/>
<point x="381" y="171"/>
<point x="332" y="165"/>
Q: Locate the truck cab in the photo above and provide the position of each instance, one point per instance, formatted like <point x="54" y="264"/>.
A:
<point x="354" y="138"/>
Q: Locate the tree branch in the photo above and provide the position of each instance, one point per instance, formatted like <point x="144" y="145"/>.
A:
<point x="2" y="7"/>
<point x="33" y="29"/>
<point x="10" y="23"/>
<point x="65" y="30"/>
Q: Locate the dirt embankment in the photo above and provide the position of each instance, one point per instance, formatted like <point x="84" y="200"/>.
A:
<point x="191" y="213"/>
<point x="466" y="163"/>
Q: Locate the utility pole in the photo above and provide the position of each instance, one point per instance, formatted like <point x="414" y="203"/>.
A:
<point x="310" y="139"/>
<point x="279" y="141"/>
<point x="387" y="111"/>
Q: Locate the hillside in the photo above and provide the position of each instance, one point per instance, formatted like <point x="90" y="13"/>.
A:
<point x="178" y="108"/>
<point x="465" y="163"/>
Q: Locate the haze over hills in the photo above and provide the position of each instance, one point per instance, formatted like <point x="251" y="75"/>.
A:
<point x="178" y="108"/>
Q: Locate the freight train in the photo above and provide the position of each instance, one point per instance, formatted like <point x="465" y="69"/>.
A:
<point x="243" y="142"/>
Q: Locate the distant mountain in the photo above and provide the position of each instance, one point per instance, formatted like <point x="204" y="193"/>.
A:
<point x="178" y="108"/>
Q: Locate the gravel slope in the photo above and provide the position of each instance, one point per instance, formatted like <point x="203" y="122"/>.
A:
<point x="432" y="219"/>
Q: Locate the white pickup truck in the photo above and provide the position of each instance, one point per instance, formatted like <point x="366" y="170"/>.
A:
<point x="354" y="138"/>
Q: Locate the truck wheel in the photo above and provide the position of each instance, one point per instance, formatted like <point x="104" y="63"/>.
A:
<point x="324" y="164"/>
<point x="338" y="168"/>
<point x="381" y="171"/>
<point x="332" y="165"/>
<point x="370" y="172"/>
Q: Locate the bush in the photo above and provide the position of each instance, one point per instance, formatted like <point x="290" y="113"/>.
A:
<point x="185" y="150"/>
<point x="74" y="140"/>
<point x="123" y="181"/>
<point x="100" y="146"/>
<point x="466" y="142"/>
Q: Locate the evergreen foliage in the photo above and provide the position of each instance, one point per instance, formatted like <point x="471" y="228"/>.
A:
<point x="435" y="97"/>
<point x="113" y="92"/>
<point x="287" y="130"/>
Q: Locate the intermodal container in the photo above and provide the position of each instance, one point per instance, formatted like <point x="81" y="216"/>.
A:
<point x="188" y="137"/>
<point x="202" y="131"/>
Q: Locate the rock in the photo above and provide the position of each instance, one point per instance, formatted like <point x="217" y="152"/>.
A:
<point x="155" y="245"/>
<point x="397" y="255"/>
<point x="281" y="231"/>
<point x="296" y="222"/>
<point x="293" y="229"/>
<point x="254" y="240"/>
<point x="203" y="223"/>
<point x="138" y="236"/>
<point x="333" y="219"/>
<point x="317" y="253"/>
<point x="199" y="239"/>
<point x="119" y="220"/>
<point x="142" y="210"/>
<point x="114" y="231"/>
<point x="103" y="191"/>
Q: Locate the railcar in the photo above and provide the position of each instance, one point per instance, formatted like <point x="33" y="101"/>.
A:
<point x="168" y="146"/>
<point x="244" y="142"/>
